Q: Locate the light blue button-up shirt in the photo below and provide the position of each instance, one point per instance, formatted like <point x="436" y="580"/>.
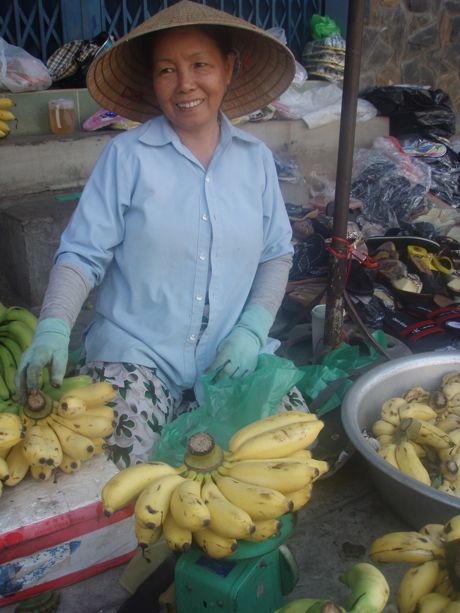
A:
<point x="159" y="233"/>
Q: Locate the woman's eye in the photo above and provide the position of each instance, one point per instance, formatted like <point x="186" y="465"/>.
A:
<point x="167" y="70"/>
<point x="200" y="65"/>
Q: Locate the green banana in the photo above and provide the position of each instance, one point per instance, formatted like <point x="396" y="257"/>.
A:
<point x="8" y="406"/>
<point x="19" y="331"/>
<point x="369" y="588"/>
<point x="68" y="384"/>
<point x="8" y="369"/>
<point x="16" y="313"/>
<point x="13" y="347"/>
<point x="4" y="391"/>
<point x="3" y="310"/>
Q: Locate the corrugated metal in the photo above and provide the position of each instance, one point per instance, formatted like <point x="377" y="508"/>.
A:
<point x="41" y="26"/>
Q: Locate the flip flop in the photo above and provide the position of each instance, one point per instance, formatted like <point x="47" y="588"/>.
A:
<point x="447" y="317"/>
<point x="418" y="334"/>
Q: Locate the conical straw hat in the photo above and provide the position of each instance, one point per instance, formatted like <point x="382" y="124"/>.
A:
<point x="120" y="79"/>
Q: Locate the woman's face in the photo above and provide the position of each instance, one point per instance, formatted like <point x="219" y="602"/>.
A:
<point x="190" y="77"/>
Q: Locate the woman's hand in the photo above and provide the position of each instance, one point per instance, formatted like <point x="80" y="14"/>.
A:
<point x="50" y="346"/>
<point x="238" y="353"/>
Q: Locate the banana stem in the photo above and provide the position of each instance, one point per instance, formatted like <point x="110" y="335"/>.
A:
<point x="203" y="453"/>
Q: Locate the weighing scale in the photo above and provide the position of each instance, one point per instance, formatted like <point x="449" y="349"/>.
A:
<point x="254" y="579"/>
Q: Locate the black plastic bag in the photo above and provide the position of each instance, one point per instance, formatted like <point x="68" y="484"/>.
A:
<point x="414" y="110"/>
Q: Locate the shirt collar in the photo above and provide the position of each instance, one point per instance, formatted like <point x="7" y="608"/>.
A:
<point x="158" y="132"/>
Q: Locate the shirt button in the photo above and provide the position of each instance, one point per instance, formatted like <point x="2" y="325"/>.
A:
<point x="199" y="297"/>
<point x="207" y="179"/>
<point x="204" y="217"/>
<point x="192" y="337"/>
<point x="202" y="257"/>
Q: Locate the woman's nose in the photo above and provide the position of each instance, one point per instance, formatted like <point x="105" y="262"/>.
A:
<point x="185" y="80"/>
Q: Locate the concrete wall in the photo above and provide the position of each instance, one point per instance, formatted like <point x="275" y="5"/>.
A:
<point x="413" y="41"/>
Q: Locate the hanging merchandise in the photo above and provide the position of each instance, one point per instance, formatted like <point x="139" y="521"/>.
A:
<point x="324" y="56"/>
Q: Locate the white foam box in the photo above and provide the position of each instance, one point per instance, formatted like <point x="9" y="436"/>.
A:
<point x="55" y="533"/>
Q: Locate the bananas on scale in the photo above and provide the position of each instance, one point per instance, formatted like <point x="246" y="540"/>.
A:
<point x="432" y="583"/>
<point x="6" y="115"/>
<point x="216" y="497"/>
<point x="419" y="434"/>
<point x="53" y="434"/>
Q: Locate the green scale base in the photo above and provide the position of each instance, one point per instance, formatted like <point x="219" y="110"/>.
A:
<point x="253" y="580"/>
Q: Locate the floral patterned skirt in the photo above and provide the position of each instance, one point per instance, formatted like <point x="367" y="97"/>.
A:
<point x="144" y="405"/>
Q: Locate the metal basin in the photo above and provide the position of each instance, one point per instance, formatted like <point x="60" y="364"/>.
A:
<point x="415" y="502"/>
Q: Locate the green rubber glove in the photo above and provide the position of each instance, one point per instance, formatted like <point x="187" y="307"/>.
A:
<point x="50" y="347"/>
<point x="238" y="353"/>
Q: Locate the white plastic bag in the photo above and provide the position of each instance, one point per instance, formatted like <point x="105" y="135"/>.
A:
<point x="20" y="71"/>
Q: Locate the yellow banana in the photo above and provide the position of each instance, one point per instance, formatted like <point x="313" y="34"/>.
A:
<point x="18" y="466"/>
<point x="435" y="531"/>
<point x="146" y="536"/>
<point x="444" y="584"/>
<point x="369" y="588"/>
<point x="42" y="446"/>
<point x="69" y="465"/>
<point x="71" y="406"/>
<point x="264" y="529"/>
<point x="388" y="453"/>
<point x="74" y="445"/>
<point x="424" y="433"/>
<point x="381" y="426"/>
<point x="102" y="411"/>
<point x="454" y="436"/>
<point x="3" y="135"/>
<point x="416" y="582"/>
<point x="259" y="502"/>
<point x="416" y="394"/>
<point x="268" y="423"/>
<point x="417" y="410"/>
<point x="452" y="529"/>
<point x="6" y="115"/>
<point x="453" y="607"/>
<point x="432" y="603"/>
<point x="410" y="547"/>
<point x="450" y="422"/>
<point x="227" y="519"/>
<point x="213" y="544"/>
<point x="390" y="410"/>
<point x="302" y="454"/>
<point x="280" y="442"/>
<point x="67" y="385"/>
<point x="410" y="464"/>
<point x="4" y="470"/>
<point x="92" y="426"/>
<point x="41" y="472"/>
<point x="11" y="430"/>
<point x="153" y="502"/>
<point x="126" y="485"/>
<point x="95" y="394"/>
<point x="4" y="127"/>
<point x="299" y="498"/>
<point x="6" y="103"/>
<point x="284" y="476"/>
<point x="187" y="507"/>
<point x="99" y="444"/>
<point x="178" y="538"/>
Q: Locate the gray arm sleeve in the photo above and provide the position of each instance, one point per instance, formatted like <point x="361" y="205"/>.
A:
<point x="270" y="283"/>
<point x="67" y="290"/>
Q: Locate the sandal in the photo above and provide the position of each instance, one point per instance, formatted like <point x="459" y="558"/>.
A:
<point x="421" y="263"/>
<point x="418" y="334"/>
<point x="447" y="317"/>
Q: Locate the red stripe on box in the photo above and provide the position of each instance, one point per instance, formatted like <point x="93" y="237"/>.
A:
<point x="70" y="579"/>
<point x="49" y="532"/>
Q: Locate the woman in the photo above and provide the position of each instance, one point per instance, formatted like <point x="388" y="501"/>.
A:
<point x="181" y="223"/>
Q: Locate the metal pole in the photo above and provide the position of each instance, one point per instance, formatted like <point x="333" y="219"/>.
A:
<point x="334" y="303"/>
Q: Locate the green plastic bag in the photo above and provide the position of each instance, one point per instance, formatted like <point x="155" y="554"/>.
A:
<point x="337" y="364"/>
<point x="322" y="26"/>
<point x="229" y="404"/>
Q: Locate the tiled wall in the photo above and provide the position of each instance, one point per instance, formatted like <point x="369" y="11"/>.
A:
<point x="32" y="109"/>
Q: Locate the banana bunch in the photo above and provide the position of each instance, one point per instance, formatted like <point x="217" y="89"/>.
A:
<point x="432" y="584"/>
<point x="216" y="497"/>
<point x="419" y="434"/>
<point x="17" y="327"/>
<point x="369" y="594"/>
<point x="6" y="115"/>
<point x="56" y="434"/>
